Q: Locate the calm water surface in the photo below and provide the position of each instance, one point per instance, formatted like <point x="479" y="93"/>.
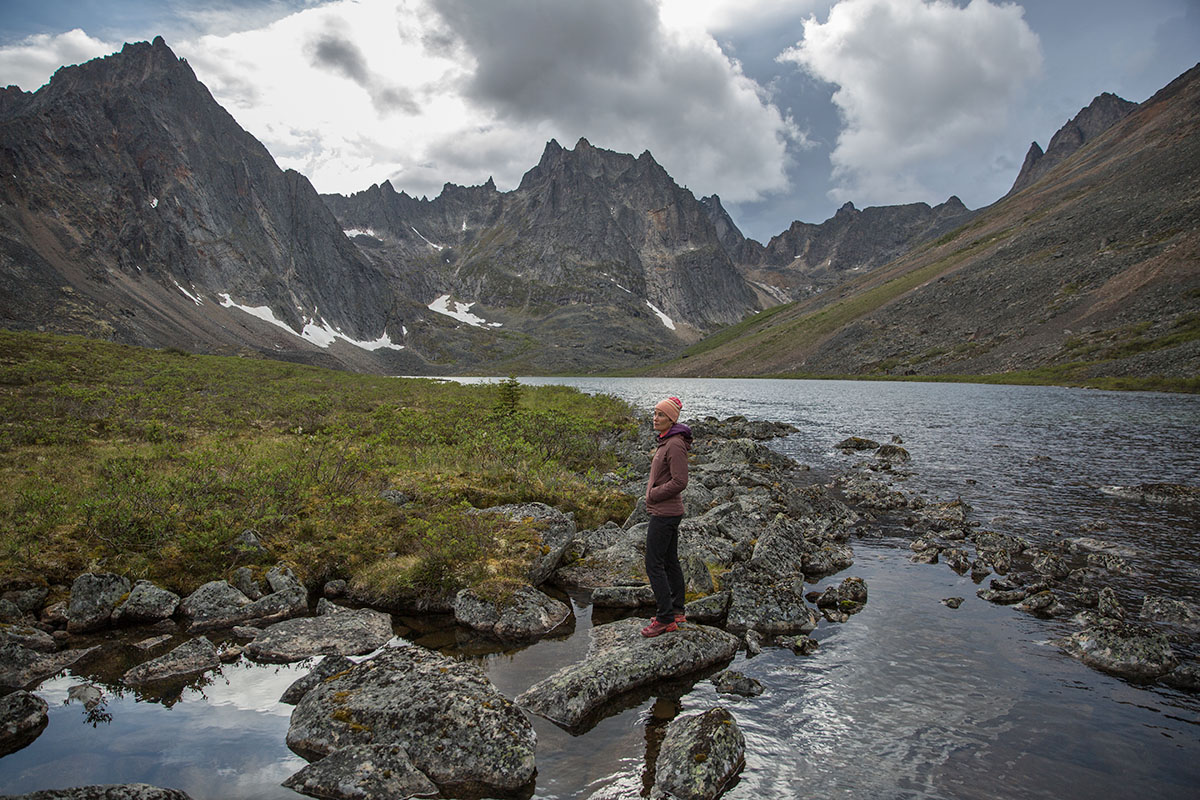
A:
<point x="909" y="699"/>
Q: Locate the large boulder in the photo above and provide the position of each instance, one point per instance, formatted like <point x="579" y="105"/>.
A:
<point x="22" y="668"/>
<point x="94" y="597"/>
<point x="700" y="754"/>
<point x="520" y="612"/>
<point x="146" y="603"/>
<point x="621" y="659"/>
<point x="455" y="726"/>
<point x="555" y="530"/>
<point x="346" y="633"/>
<point x="23" y="717"/>
<point x="364" y="772"/>
<point x="125" y="791"/>
<point x="190" y="658"/>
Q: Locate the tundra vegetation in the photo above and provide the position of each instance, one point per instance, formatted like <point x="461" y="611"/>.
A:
<point x="152" y="463"/>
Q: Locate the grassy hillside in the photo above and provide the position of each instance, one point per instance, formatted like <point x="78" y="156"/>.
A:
<point x="151" y="463"/>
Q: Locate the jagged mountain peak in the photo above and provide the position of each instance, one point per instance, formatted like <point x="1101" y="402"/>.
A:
<point x="1102" y="113"/>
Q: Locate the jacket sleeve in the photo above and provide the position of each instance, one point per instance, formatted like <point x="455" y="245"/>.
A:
<point x="677" y="469"/>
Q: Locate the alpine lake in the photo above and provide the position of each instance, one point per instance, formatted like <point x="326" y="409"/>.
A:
<point x="908" y="699"/>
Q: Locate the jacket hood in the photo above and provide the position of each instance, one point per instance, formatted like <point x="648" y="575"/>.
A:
<point x="677" y="429"/>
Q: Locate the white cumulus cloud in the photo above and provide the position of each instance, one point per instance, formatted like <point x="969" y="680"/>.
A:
<point x="921" y="86"/>
<point x="30" y="62"/>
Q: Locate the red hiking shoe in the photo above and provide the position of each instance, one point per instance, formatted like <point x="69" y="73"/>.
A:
<point x="680" y="619"/>
<point x="656" y="628"/>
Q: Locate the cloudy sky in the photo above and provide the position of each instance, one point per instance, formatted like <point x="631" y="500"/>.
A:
<point x="785" y="108"/>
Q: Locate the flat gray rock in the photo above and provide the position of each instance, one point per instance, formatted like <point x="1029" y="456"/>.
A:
<point x="700" y="754"/>
<point x="446" y="714"/>
<point x="23" y="717"/>
<point x="621" y="659"/>
<point x="190" y="658"/>
<point x="1121" y="649"/>
<point x="363" y="772"/>
<point x="346" y="633"/>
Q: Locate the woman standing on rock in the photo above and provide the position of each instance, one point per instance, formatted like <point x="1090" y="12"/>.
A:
<point x="664" y="504"/>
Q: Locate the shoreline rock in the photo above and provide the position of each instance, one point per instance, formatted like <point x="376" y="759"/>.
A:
<point x="620" y="660"/>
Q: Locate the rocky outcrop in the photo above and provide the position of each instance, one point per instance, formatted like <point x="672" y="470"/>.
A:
<point x="189" y="659"/>
<point x="345" y="633"/>
<point x="1104" y="111"/>
<point x="621" y="659"/>
<point x="23" y="717"/>
<point x="520" y="612"/>
<point x="445" y="714"/>
<point x="700" y="755"/>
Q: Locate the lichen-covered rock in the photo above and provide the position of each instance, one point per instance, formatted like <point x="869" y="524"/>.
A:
<point x="892" y="454"/>
<point x="23" y="717"/>
<point x="22" y="668"/>
<point x="1122" y="649"/>
<point x="623" y="596"/>
<point x="146" y="603"/>
<point x="454" y="725"/>
<point x="219" y="605"/>
<point x="1107" y="604"/>
<point x="94" y="597"/>
<point x="347" y="633"/>
<point x="125" y="791"/>
<point x="800" y="645"/>
<point x="621" y="659"/>
<point x="700" y="754"/>
<point x="28" y="601"/>
<point x="709" y="610"/>
<point x="363" y="772"/>
<point x="854" y="443"/>
<point x="733" y="682"/>
<point x="523" y="613"/>
<point x="215" y="604"/>
<point x="1168" y="609"/>
<point x="27" y="636"/>
<point x="329" y="666"/>
<point x="771" y="607"/>
<point x="1051" y="565"/>
<point x="190" y="658"/>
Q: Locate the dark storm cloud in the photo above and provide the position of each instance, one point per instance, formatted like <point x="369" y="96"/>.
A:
<point x="331" y="51"/>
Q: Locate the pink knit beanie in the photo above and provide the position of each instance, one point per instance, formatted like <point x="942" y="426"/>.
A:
<point x="670" y="407"/>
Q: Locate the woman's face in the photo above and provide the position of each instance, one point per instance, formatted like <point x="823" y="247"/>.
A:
<point x="662" y="422"/>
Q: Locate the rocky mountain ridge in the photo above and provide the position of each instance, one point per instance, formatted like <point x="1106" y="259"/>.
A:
<point x="1090" y="270"/>
<point x="135" y="208"/>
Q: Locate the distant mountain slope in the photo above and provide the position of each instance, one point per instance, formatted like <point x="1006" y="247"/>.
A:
<point x="1095" y="264"/>
<point x="600" y="259"/>
<point x="135" y="208"/>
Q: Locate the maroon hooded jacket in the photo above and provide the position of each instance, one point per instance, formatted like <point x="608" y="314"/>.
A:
<point x="669" y="473"/>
